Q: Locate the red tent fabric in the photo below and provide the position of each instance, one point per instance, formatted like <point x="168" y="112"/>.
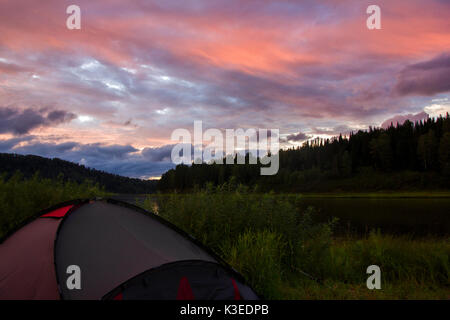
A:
<point x="27" y="270"/>
<point x="58" y="213"/>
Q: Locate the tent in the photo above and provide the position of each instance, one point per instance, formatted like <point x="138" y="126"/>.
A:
<point x="107" y="249"/>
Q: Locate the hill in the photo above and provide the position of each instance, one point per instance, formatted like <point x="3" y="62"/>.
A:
<point x="29" y="165"/>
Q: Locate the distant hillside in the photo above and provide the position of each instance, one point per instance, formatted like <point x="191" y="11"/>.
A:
<point x="51" y="168"/>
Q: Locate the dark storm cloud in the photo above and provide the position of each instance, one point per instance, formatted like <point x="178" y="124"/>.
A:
<point x="8" y="144"/>
<point x="298" y="137"/>
<point x="60" y="116"/>
<point x="71" y="151"/>
<point x="22" y="121"/>
<point x="426" y="78"/>
<point x="100" y="151"/>
<point x="118" y="159"/>
<point x="45" y="149"/>
<point x="158" y="154"/>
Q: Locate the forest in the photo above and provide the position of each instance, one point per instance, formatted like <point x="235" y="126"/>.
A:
<point x="408" y="156"/>
<point x="29" y="165"/>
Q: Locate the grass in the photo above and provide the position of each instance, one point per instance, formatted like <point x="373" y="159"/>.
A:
<point x="274" y="243"/>
<point x="410" y="269"/>
<point x="338" y="290"/>
<point x="381" y="194"/>
<point x="21" y="199"/>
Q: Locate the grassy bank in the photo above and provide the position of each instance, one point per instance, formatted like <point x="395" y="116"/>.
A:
<point x="381" y="194"/>
<point x="21" y="199"/>
<point x="273" y="243"/>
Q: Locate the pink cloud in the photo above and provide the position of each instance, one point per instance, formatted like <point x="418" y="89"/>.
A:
<point x="400" y="119"/>
<point x="293" y="65"/>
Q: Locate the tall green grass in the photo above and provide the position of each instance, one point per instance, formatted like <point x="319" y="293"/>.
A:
<point x="22" y="198"/>
<point x="278" y="247"/>
<point x="424" y="262"/>
<point x="410" y="269"/>
<point x="258" y="255"/>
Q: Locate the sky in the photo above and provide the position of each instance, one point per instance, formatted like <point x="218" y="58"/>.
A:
<point x="109" y="95"/>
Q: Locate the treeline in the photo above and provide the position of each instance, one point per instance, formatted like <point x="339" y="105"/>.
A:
<point x="55" y="168"/>
<point x="407" y="156"/>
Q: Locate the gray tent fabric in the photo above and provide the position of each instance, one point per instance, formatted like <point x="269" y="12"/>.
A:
<point x="121" y="252"/>
<point x="113" y="243"/>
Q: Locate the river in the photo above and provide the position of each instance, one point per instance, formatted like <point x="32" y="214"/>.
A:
<point x="413" y="216"/>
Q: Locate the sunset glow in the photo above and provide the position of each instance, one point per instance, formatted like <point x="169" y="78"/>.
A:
<point x="109" y="95"/>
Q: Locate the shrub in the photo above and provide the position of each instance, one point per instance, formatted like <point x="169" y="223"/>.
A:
<point x="20" y="199"/>
<point x="258" y="256"/>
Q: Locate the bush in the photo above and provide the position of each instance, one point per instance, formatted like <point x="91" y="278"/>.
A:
<point x="257" y="256"/>
<point x="20" y="199"/>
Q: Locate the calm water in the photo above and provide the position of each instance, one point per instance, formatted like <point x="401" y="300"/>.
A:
<point x="414" y="216"/>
